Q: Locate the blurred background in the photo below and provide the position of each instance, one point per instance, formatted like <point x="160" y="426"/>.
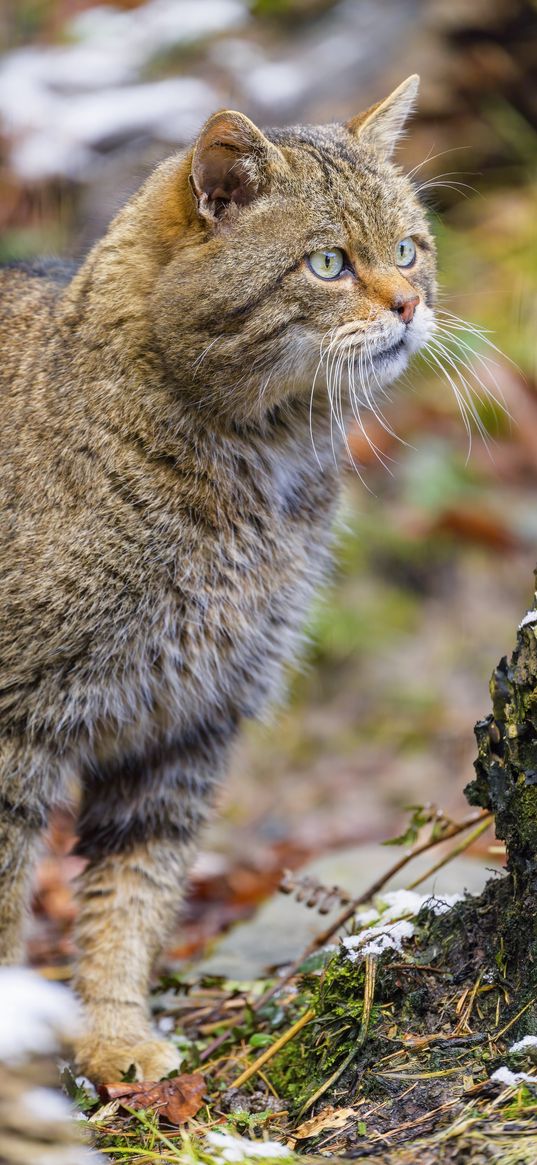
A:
<point x="437" y="546"/>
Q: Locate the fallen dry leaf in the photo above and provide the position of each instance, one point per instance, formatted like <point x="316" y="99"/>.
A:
<point x="328" y="1118"/>
<point x="177" y="1099"/>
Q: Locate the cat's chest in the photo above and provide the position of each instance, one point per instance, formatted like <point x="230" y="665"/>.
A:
<point x="221" y="609"/>
<point x="237" y="592"/>
<point x="263" y="555"/>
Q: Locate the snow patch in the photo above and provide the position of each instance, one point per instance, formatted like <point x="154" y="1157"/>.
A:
<point x="276" y="82"/>
<point x="441" y="905"/>
<point x="166" y="1024"/>
<point x="364" y="917"/>
<point x="400" y="902"/>
<point x="89" y="1088"/>
<point x="528" y="619"/>
<point x="155" y="25"/>
<point x="387" y="926"/>
<point x="376" y="940"/>
<point x="231" y="1148"/>
<point x="526" y="1042"/>
<point x="60" y="104"/>
<point x="504" y="1075"/>
<point x="55" y="134"/>
<point x="35" y="1015"/>
<point x="47" y="1106"/>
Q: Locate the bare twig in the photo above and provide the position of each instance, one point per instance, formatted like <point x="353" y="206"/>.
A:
<point x="275" y="1047"/>
<point x="331" y="1080"/>
<point x="313" y="893"/>
<point x="369" y="995"/>
<point x="498" y="1035"/>
<point x="454" y="853"/>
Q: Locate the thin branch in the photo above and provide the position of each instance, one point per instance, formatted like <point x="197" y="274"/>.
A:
<point x="453" y="853"/>
<point x="275" y="1047"/>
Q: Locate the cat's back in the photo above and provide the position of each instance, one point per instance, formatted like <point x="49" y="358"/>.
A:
<point x="43" y="279"/>
<point x="28" y="295"/>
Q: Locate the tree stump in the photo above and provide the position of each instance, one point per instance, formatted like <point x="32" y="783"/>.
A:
<point x="506" y="783"/>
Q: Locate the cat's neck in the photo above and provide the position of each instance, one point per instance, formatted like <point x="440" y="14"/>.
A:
<point x="128" y="389"/>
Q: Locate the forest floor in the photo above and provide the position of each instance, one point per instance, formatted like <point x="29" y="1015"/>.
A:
<point x="434" y="571"/>
<point x="397" y="1041"/>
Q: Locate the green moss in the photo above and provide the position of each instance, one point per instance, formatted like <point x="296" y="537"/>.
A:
<point x="337" y="999"/>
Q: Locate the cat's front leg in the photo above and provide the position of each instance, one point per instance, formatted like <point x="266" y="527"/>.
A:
<point x="138" y="826"/>
<point x="128" y="903"/>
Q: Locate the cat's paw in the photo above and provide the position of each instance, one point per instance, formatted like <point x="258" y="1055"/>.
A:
<point x="106" y="1061"/>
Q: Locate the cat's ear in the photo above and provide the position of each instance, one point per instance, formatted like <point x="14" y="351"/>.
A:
<point x="230" y="163"/>
<point x="381" y="126"/>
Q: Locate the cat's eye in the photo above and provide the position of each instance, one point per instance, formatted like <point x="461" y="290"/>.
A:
<point x="327" y="264"/>
<point x="405" y="252"/>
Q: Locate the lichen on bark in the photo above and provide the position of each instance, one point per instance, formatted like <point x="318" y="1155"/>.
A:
<point x="506" y="766"/>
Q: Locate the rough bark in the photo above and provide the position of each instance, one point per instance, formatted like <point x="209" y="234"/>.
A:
<point x="506" y="767"/>
<point x="506" y="783"/>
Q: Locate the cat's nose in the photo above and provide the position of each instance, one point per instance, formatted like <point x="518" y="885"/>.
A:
<point x="405" y="307"/>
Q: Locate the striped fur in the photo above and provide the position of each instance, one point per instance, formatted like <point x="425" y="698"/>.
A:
<point x="166" y="518"/>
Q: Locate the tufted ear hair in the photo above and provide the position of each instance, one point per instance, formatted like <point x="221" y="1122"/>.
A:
<point x="231" y="163"/>
<point x="381" y="126"/>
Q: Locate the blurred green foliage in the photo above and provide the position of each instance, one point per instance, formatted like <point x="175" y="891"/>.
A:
<point x="27" y="20"/>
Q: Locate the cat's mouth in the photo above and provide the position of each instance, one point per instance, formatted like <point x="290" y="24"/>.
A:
<point x="389" y="362"/>
<point x="392" y="351"/>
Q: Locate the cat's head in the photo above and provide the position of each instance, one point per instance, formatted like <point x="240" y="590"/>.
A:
<point x="305" y="253"/>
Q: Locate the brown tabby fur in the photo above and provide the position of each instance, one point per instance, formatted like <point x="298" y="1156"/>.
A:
<point x="166" y="517"/>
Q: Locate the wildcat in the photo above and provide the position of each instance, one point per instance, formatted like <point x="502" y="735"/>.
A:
<point x="171" y="426"/>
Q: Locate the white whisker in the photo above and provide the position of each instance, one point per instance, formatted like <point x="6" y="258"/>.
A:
<point x="370" y="400"/>
<point x="482" y="333"/>
<point x="356" y="414"/>
<point x="486" y="363"/>
<point x="468" y="390"/>
<point x="453" y="183"/>
<point x="433" y="157"/>
<point x="355" y="406"/>
<point x="460" y="400"/>
<point x="330" y="384"/>
<point x="202" y="356"/>
<point x="449" y="326"/>
<point x="312" y="393"/>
